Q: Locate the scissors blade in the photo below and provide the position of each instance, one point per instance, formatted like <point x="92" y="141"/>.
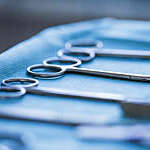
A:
<point x="27" y="114"/>
<point x="78" y="94"/>
<point x="124" y="53"/>
<point x="142" y="107"/>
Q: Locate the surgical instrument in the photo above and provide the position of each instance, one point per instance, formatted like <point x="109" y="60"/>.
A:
<point x="136" y="133"/>
<point x="44" y="116"/>
<point x="31" y="87"/>
<point x="131" y="107"/>
<point x="97" y="50"/>
<point x="58" y="70"/>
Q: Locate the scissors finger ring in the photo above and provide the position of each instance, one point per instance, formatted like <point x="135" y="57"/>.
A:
<point x="20" y="141"/>
<point x="31" y="82"/>
<point x="19" y="92"/>
<point x="84" y="44"/>
<point x="55" y="71"/>
<point x="75" y="52"/>
<point x="63" y="61"/>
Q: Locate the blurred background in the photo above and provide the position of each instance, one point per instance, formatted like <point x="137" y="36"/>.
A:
<point x="21" y="19"/>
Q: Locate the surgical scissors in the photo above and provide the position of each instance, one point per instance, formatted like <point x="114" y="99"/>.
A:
<point x="135" y="133"/>
<point x="95" y="47"/>
<point x="58" y="70"/>
<point x="31" y="87"/>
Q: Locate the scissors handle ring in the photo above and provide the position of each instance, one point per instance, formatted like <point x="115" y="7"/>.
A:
<point x="20" y="139"/>
<point x="84" y="44"/>
<point x="50" y="61"/>
<point x="31" y="82"/>
<point x="74" y="52"/>
<point x="19" y="92"/>
<point x="58" y="71"/>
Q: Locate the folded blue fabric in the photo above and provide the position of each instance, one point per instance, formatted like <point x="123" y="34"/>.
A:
<point x="126" y="34"/>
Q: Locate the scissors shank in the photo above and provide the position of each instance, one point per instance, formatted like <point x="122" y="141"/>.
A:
<point x="44" y="116"/>
<point x="78" y="94"/>
<point x="124" y="53"/>
<point x="110" y="74"/>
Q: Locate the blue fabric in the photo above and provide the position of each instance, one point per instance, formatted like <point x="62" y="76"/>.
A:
<point x="113" y="33"/>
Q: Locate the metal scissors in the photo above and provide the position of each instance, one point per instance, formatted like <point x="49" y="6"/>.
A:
<point x="31" y="87"/>
<point x="128" y="105"/>
<point x="135" y="133"/>
<point x="19" y="141"/>
<point x="58" y="70"/>
<point x="95" y="49"/>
